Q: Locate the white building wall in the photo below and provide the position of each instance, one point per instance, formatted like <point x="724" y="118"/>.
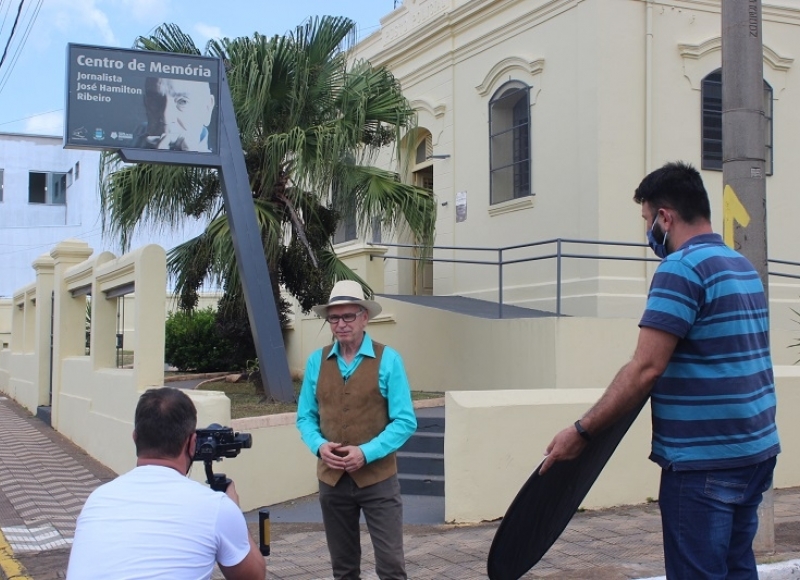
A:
<point x="28" y="230"/>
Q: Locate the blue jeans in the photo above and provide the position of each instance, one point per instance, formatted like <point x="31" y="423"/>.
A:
<point x="709" y="519"/>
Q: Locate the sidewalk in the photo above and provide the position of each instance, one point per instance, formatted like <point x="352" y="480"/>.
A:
<point x="44" y="480"/>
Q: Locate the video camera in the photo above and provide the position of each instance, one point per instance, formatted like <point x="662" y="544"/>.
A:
<point x="214" y="443"/>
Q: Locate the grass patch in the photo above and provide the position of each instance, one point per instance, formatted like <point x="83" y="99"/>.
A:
<point x="246" y="400"/>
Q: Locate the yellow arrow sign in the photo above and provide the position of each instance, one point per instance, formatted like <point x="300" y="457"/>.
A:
<point x="733" y="211"/>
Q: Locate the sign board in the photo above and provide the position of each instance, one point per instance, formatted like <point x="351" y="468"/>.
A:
<point x="461" y="206"/>
<point x="138" y="99"/>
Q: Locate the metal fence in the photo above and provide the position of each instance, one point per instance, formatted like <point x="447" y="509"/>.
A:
<point x="558" y="253"/>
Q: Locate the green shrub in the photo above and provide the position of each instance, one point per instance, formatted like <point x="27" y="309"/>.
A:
<point x="194" y="344"/>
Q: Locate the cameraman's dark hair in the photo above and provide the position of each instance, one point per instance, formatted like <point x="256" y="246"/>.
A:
<point x="677" y="186"/>
<point x="164" y="420"/>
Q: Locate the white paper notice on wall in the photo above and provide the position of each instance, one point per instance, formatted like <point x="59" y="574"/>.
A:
<point x="461" y="206"/>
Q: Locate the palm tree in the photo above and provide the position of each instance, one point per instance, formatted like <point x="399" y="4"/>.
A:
<point x="311" y="126"/>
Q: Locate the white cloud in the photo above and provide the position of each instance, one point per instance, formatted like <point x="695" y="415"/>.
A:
<point x="148" y="11"/>
<point x="207" y="32"/>
<point x="46" y="124"/>
<point x="71" y="15"/>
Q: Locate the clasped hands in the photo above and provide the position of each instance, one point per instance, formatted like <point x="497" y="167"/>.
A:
<point x="346" y="457"/>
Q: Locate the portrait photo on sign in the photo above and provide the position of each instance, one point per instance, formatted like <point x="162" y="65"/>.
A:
<point x="179" y="114"/>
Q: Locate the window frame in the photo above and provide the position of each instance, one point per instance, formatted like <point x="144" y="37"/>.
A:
<point x="506" y="91"/>
<point x="712" y="164"/>
<point x="50" y="178"/>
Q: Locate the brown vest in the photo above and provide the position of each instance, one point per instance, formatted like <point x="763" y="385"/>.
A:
<point x="352" y="413"/>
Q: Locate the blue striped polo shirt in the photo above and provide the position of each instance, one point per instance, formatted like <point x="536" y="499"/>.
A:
<point x="714" y="406"/>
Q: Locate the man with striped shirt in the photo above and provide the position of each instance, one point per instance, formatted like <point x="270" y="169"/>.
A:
<point x="703" y="356"/>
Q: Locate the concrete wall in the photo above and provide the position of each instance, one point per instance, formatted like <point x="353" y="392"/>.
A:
<point x="5" y="323"/>
<point x="93" y="402"/>
<point x="277" y="468"/>
<point x="446" y="351"/>
<point x="494" y="440"/>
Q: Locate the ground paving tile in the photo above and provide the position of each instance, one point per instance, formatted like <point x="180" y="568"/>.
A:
<point x="45" y="479"/>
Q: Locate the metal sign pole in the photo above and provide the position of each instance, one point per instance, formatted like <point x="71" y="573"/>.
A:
<point x="248" y="247"/>
<point x="743" y="165"/>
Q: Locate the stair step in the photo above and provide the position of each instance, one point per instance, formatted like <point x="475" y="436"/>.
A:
<point x="412" y="484"/>
<point x="428" y="424"/>
<point x="420" y="455"/>
<point x="424" y="442"/>
<point x="420" y="463"/>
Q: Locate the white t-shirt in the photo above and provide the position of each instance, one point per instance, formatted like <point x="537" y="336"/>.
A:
<point x="153" y="522"/>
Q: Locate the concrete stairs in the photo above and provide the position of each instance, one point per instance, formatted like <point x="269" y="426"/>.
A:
<point x="420" y="462"/>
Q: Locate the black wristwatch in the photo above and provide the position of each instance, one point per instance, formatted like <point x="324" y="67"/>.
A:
<point x="581" y="431"/>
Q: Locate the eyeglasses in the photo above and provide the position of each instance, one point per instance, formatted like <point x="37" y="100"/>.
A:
<point x="347" y="317"/>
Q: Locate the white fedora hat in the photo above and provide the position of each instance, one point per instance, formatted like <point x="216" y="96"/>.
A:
<point x="348" y="292"/>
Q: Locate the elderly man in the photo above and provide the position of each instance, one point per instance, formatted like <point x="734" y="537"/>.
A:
<point x="354" y="413"/>
<point x="154" y="522"/>
<point x="178" y="115"/>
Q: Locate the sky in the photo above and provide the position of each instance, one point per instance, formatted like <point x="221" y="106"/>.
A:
<point x="32" y="75"/>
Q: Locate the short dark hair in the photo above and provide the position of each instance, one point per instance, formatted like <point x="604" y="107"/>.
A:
<point x="676" y="185"/>
<point x="165" y="419"/>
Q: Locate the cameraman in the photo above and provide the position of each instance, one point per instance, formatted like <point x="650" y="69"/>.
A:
<point x="154" y="522"/>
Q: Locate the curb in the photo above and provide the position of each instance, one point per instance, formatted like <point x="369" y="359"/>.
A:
<point x="778" y="571"/>
<point x="10" y="568"/>
<point x="192" y="376"/>
<point x="428" y="403"/>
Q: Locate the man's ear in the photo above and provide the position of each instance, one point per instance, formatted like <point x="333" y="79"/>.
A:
<point x="192" y="443"/>
<point x="134" y="435"/>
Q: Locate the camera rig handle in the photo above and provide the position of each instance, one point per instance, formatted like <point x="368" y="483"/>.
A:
<point x="217" y="481"/>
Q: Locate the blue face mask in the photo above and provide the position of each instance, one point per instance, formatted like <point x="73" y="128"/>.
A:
<point x="659" y="249"/>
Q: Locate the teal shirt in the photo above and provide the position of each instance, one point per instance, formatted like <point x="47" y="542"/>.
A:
<point x="393" y="384"/>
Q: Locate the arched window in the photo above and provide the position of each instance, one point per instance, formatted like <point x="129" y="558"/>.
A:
<point x="510" y="142"/>
<point x="712" y="123"/>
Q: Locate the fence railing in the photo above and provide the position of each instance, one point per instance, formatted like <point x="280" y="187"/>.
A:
<point x="558" y="254"/>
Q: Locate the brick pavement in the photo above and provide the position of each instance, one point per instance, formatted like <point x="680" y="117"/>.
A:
<point x="44" y="480"/>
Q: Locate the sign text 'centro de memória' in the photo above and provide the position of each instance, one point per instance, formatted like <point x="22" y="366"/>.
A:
<point x="122" y="99"/>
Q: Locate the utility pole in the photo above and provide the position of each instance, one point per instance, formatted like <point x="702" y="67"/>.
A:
<point x="743" y="165"/>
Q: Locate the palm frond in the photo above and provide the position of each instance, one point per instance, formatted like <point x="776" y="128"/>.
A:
<point x="167" y="38"/>
<point x="155" y="196"/>
<point x="377" y="193"/>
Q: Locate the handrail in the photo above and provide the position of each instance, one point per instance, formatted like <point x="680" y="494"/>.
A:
<point x="559" y="256"/>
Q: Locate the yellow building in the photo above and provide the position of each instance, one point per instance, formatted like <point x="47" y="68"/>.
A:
<point x="538" y="119"/>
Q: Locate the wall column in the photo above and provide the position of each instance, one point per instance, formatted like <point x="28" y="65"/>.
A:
<point x="44" y="266"/>
<point x="69" y="314"/>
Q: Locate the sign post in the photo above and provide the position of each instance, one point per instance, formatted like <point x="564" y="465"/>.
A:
<point x="176" y="109"/>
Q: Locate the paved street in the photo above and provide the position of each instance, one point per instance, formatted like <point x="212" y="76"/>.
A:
<point x="44" y="480"/>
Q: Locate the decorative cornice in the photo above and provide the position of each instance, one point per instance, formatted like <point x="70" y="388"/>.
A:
<point x="436" y="111"/>
<point x="71" y="250"/>
<point x="81" y="274"/>
<point x="698" y="51"/>
<point x="44" y="264"/>
<point x="359" y="248"/>
<point x="511" y="205"/>
<point x="506" y="66"/>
